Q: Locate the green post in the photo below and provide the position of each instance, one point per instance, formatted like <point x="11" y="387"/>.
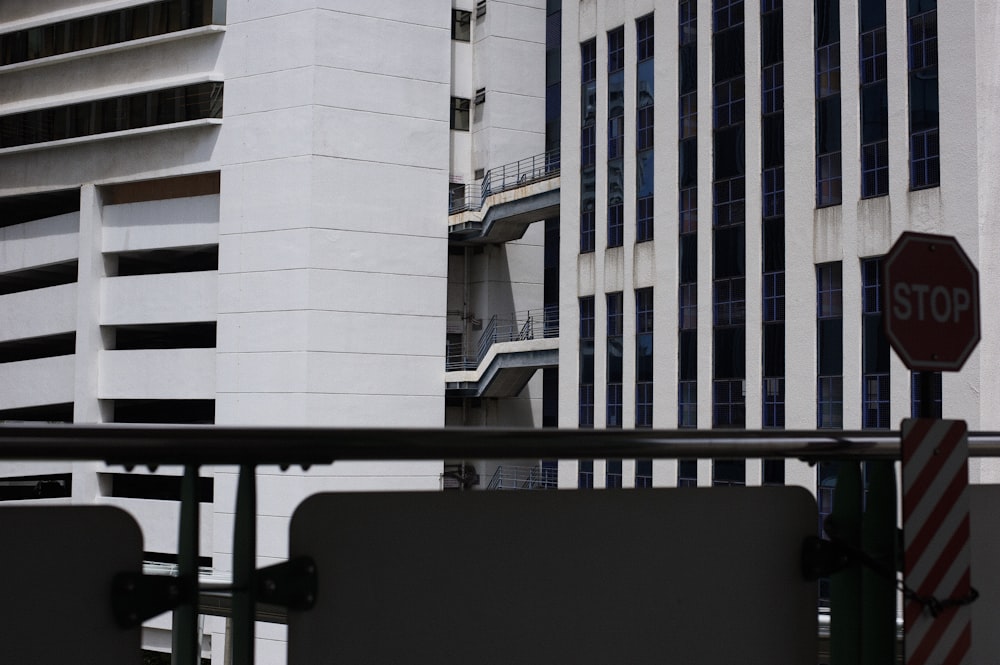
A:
<point x="878" y="592"/>
<point x="244" y="567"/>
<point x="186" y="642"/>
<point x="845" y="585"/>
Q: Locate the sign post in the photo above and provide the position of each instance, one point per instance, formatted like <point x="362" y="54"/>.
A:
<point x="931" y="305"/>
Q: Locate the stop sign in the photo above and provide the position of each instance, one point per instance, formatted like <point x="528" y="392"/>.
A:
<point x="930" y="302"/>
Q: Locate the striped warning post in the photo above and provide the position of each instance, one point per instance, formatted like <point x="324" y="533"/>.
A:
<point x="936" y="550"/>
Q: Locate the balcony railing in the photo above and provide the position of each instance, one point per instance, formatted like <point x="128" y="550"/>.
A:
<point x="508" y="477"/>
<point x="502" y="178"/>
<point x="517" y="327"/>
<point x="250" y="448"/>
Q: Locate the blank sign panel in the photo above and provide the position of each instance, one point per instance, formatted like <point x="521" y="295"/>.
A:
<point x="638" y="576"/>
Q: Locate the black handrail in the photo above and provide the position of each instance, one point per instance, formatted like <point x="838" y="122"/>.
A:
<point x="215" y="444"/>
<point x="508" y="176"/>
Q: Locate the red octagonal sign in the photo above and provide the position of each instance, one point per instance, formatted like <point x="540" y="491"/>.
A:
<point x="930" y="301"/>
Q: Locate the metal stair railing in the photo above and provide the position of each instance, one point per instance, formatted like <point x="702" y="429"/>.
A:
<point x="517" y="327"/>
<point x="511" y="477"/>
<point x="506" y="177"/>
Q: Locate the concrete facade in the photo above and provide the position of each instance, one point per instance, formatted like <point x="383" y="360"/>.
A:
<point x="282" y="259"/>
<point x="857" y="228"/>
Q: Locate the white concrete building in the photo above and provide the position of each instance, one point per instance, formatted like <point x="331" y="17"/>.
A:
<point x="330" y="213"/>
<point x="236" y="213"/>
<point x="794" y="143"/>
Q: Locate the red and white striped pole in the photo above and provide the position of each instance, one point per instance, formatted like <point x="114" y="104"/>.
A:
<point x="936" y="551"/>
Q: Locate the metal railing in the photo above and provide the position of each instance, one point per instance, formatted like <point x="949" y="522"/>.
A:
<point x="517" y="327"/>
<point x="251" y="447"/>
<point x="508" y="477"/>
<point x="502" y="178"/>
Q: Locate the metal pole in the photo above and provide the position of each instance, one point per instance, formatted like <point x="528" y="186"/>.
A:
<point x="878" y="592"/>
<point x="244" y="566"/>
<point x="926" y="396"/>
<point x="185" y="637"/>
<point x="845" y="586"/>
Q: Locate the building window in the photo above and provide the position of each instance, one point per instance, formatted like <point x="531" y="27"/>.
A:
<point x="689" y="210"/>
<point x="687" y="11"/>
<point x="687" y="404"/>
<point x="689" y="115"/>
<point x="149" y="109"/>
<point x="587" y="231"/>
<point x="585" y="475"/>
<point x="461" y="25"/>
<point x="613" y="474"/>
<point x="773" y="187"/>
<point x="773" y="222"/>
<point x="774" y="403"/>
<point x="644" y="37"/>
<point x="925" y="159"/>
<point x="460" y="114"/>
<point x="586" y="405"/>
<point x="616" y="49"/>
<point x="923" y="39"/>
<point x="925" y="149"/>
<point x="687" y="473"/>
<point x="874" y="349"/>
<point x="729" y="296"/>
<point x="687" y="335"/>
<point x="830" y="402"/>
<point x="730" y="201"/>
<point x="772" y="88"/>
<point x="550" y="474"/>
<point x="774" y="296"/>
<point x="874" y="99"/>
<point x="730" y="103"/>
<point x="876" y="401"/>
<point x="772" y="472"/>
<point x="614" y="408"/>
<point x="587" y="149"/>
<point x="829" y="324"/>
<point x="616" y="225"/>
<point x="586" y="416"/>
<point x="644" y="130"/>
<point x="644" y="214"/>
<point x="588" y="93"/>
<point x="873" y="56"/>
<point x="729" y="402"/>
<point x="875" y="169"/>
<point x="727" y="14"/>
<point x="828" y="180"/>
<point x="97" y="30"/>
<point x="644" y="357"/>
<point x="729" y="473"/>
<point x="616" y="93"/>
<point x="729" y="215"/>
<point x="828" y="139"/>
<point x="828" y="70"/>
<point x="937" y="395"/>
<point x="644" y="473"/>
<point x="616" y="135"/>
<point x="588" y="65"/>
<point x="615" y="369"/>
